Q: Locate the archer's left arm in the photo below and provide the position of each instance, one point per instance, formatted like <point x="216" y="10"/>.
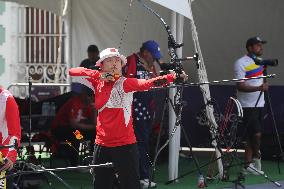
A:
<point x="133" y="84"/>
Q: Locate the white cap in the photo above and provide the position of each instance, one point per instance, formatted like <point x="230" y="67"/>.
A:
<point x="110" y="52"/>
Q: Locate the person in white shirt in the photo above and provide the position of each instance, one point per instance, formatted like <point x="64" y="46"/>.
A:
<point x="248" y="93"/>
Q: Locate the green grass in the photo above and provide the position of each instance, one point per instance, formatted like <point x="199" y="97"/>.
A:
<point x="190" y="181"/>
<point x="84" y="180"/>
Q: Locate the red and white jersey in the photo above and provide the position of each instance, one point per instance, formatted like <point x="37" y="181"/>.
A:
<point x="10" y="129"/>
<point x="113" y="100"/>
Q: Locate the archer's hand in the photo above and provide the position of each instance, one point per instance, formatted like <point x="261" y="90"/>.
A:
<point x="7" y="166"/>
<point x="106" y="76"/>
<point x="264" y="87"/>
<point x="183" y="75"/>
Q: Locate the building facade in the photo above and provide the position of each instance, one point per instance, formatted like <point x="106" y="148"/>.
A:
<point x="32" y="46"/>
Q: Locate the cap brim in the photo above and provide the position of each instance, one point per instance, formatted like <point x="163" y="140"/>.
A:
<point x="263" y="42"/>
<point x="123" y="59"/>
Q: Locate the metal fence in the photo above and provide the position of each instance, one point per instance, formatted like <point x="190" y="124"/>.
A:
<point x="41" y="46"/>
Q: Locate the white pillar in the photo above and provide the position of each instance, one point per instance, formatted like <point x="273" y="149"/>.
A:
<point x="9" y="47"/>
<point x="174" y="145"/>
<point x="67" y="18"/>
<point x="202" y="77"/>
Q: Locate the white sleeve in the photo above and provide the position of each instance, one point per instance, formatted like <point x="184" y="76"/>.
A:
<point x="239" y="70"/>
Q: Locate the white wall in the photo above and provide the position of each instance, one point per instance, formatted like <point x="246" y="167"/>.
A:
<point x="9" y="49"/>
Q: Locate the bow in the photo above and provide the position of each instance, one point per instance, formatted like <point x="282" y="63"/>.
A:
<point x="178" y="69"/>
<point x="172" y="44"/>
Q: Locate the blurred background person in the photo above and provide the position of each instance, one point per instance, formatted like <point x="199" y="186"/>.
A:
<point x="144" y="65"/>
<point x="78" y="113"/>
<point x="10" y="129"/>
<point x="93" y="57"/>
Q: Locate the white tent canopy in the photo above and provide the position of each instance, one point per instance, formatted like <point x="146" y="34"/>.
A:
<point x="182" y="7"/>
<point x="57" y="6"/>
<point x="101" y="22"/>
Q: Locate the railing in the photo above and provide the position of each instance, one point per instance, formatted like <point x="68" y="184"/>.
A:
<point x="42" y="72"/>
<point x="20" y="90"/>
<point x="40" y="35"/>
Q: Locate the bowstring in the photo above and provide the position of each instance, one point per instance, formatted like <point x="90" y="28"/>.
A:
<point x="125" y="24"/>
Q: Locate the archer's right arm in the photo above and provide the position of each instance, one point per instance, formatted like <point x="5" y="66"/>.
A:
<point x="85" y="76"/>
<point x="80" y="71"/>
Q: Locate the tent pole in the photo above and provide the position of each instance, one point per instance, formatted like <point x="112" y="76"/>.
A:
<point x="173" y="149"/>
<point x="202" y="77"/>
<point x="68" y="50"/>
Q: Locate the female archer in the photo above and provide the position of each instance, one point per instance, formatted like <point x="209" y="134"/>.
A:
<point x="115" y="138"/>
